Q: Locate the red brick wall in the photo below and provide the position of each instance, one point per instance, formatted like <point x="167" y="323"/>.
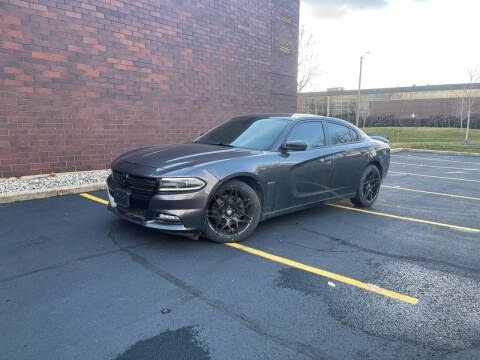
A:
<point x="82" y="81"/>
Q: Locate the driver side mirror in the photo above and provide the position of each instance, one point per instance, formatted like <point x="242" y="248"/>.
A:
<point x="295" y="146"/>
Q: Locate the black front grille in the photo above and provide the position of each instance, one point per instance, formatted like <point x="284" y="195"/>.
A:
<point x="118" y="177"/>
<point x="141" y="184"/>
<point x="137" y="184"/>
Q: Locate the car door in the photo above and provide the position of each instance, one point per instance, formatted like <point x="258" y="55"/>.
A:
<point x="350" y="157"/>
<point x="305" y="176"/>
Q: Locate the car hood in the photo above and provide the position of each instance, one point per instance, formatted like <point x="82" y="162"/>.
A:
<point x="177" y="156"/>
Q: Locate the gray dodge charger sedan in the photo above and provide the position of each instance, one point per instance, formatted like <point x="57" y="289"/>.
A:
<point x="245" y="170"/>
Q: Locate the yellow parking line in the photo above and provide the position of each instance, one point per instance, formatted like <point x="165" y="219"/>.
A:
<point x="433" y="166"/>
<point x="327" y="274"/>
<point x="91" y="197"/>
<point x="433" y="159"/>
<point x="431" y="192"/>
<point x="434" y="176"/>
<point x="324" y="273"/>
<point x="405" y="218"/>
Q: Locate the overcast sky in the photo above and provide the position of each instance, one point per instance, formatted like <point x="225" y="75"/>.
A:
<point x="410" y="41"/>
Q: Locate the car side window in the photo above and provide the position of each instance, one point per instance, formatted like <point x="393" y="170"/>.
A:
<point x="354" y="135"/>
<point x="310" y="132"/>
<point x="338" y="134"/>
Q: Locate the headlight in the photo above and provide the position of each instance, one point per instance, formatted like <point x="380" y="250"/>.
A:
<point x="180" y="184"/>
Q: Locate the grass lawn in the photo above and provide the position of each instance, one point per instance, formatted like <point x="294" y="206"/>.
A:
<point x="429" y="138"/>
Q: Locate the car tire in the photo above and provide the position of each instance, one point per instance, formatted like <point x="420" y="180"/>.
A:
<point x="368" y="187"/>
<point x="232" y="213"/>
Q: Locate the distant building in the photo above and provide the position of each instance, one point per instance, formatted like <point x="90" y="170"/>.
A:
<point x="385" y="105"/>
<point x="336" y="88"/>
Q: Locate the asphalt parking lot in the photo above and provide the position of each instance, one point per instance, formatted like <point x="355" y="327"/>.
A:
<point x="400" y="280"/>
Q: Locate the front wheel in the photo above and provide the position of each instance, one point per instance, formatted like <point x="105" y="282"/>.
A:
<point x="233" y="213"/>
<point x="368" y="187"/>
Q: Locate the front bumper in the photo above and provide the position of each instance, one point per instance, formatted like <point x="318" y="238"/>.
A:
<point x="144" y="209"/>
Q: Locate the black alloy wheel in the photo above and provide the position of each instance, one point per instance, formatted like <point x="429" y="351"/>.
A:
<point x="368" y="187"/>
<point x="232" y="213"/>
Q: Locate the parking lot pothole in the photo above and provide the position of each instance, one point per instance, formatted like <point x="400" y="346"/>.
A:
<point x="182" y="343"/>
<point x="446" y="318"/>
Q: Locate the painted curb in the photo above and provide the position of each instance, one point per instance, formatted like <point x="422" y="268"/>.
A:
<point x="40" y="194"/>
<point x="441" y="152"/>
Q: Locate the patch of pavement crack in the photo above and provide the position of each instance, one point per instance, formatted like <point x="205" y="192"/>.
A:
<point x="411" y="258"/>
<point x="218" y="305"/>
<point x="65" y="263"/>
<point x="446" y="319"/>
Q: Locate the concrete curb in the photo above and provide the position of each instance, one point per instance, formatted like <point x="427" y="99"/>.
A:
<point x="38" y="176"/>
<point x="441" y="152"/>
<point x="29" y="177"/>
<point x="40" y="194"/>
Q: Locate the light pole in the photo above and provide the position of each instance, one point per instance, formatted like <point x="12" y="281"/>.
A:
<point x="357" y="111"/>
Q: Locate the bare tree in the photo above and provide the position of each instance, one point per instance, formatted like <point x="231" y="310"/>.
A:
<point x="473" y="77"/>
<point x="308" y="66"/>
<point x="459" y="110"/>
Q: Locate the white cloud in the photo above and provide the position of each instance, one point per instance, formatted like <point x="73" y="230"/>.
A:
<point x="411" y="41"/>
<point x="340" y="8"/>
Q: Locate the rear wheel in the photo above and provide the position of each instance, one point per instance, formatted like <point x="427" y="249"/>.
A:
<point x="368" y="187"/>
<point x="233" y="213"/>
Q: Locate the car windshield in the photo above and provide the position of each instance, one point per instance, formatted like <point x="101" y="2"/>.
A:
<point x="245" y="132"/>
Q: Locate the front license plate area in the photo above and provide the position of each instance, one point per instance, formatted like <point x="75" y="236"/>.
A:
<point x="122" y="198"/>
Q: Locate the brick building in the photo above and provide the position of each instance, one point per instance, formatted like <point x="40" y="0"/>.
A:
<point x="82" y="81"/>
<point x="430" y="105"/>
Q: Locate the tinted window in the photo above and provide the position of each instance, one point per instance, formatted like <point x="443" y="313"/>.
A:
<point x="354" y="135"/>
<point x="310" y="132"/>
<point x="247" y="132"/>
<point x="338" y="134"/>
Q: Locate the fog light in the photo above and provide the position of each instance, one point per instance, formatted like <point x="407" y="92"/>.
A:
<point x="167" y="217"/>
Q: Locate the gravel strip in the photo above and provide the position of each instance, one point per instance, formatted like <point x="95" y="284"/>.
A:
<point x="46" y="182"/>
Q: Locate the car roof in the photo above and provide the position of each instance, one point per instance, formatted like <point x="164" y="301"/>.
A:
<point x="278" y="115"/>
<point x="294" y="117"/>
